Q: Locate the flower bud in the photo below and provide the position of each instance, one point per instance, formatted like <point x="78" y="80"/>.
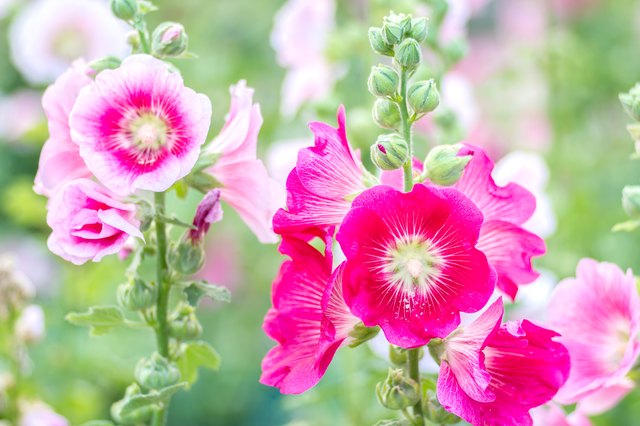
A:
<point x="383" y="81"/>
<point x="390" y="152"/>
<point x="397" y="392"/>
<point x="423" y="96"/>
<point x="360" y="334"/>
<point x="386" y="114"/>
<point x="136" y="295"/>
<point x="392" y="32"/>
<point x="443" y="166"/>
<point x="139" y="416"/>
<point x="29" y="327"/>
<point x="418" y="30"/>
<point x="631" y="102"/>
<point x="631" y="200"/>
<point x="408" y="54"/>
<point x="185" y="257"/>
<point x="124" y="9"/>
<point x="169" y="39"/>
<point x="156" y="373"/>
<point x="184" y="324"/>
<point x="378" y="43"/>
<point x="133" y="39"/>
<point x="106" y="63"/>
<point x="397" y="355"/>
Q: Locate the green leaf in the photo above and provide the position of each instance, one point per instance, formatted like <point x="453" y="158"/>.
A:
<point x="195" y="355"/>
<point x="100" y="319"/>
<point x="194" y="290"/>
<point x="628" y="226"/>
<point x="145" y="6"/>
<point x="175" y="221"/>
<point x="153" y="398"/>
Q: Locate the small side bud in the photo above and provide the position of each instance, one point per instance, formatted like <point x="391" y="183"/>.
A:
<point x="169" y="39"/>
<point x="397" y="355"/>
<point x="185" y="257"/>
<point x="408" y="54"/>
<point x="386" y="114"/>
<point x="184" y="324"/>
<point x="156" y="373"/>
<point x="383" y="81"/>
<point x="389" y="152"/>
<point x="124" y="9"/>
<point x="378" y="43"/>
<point x="418" y="30"/>
<point x="397" y="392"/>
<point x="423" y="96"/>
<point x="107" y="63"/>
<point x="443" y="166"/>
<point x="631" y="201"/>
<point x="360" y="334"/>
<point x="136" y="295"/>
<point x="631" y="102"/>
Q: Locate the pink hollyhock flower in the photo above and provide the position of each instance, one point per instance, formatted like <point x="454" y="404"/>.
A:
<point x="139" y="127"/>
<point x="309" y="318"/>
<point x="507" y="245"/>
<point x="246" y="184"/>
<point x="326" y="178"/>
<point x="88" y="223"/>
<point x="37" y="413"/>
<point x="47" y="35"/>
<point x="60" y="159"/>
<point x="493" y="374"/>
<point x="207" y="212"/>
<point x="552" y="415"/>
<point x="412" y="265"/>
<point x="598" y="315"/>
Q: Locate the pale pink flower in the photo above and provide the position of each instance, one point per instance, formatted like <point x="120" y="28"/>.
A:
<point x="522" y="21"/>
<point x="598" y="315"/>
<point x="246" y="184"/>
<point x="310" y="82"/>
<point x="36" y="413"/>
<point x="47" y="35"/>
<point x="139" y="127"/>
<point x="88" y="222"/>
<point x="20" y="112"/>
<point x="454" y="26"/>
<point x="60" y="159"/>
<point x="552" y="415"/>
<point x="29" y="327"/>
<point x="282" y="155"/>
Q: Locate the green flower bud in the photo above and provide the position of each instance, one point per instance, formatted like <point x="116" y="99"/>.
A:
<point x="133" y="39"/>
<point x="185" y="257"/>
<point x="386" y="114"/>
<point x="169" y="39"/>
<point x="397" y="392"/>
<point x="418" y="30"/>
<point x="631" y="200"/>
<point x="390" y="152"/>
<point x="443" y="166"/>
<point x="423" y="96"/>
<point x="106" y="63"/>
<point x="145" y="214"/>
<point x="156" y="373"/>
<point x="397" y="355"/>
<point x="378" y="43"/>
<point x="436" y="349"/>
<point x="141" y="415"/>
<point x="184" y="324"/>
<point x="136" y="295"/>
<point x="392" y="32"/>
<point x="383" y="81"/>
<point x="360" y="334"/>
<point x="631" y="102"/>
<point x="408" y="54"/>
<point x="124" y="9"/>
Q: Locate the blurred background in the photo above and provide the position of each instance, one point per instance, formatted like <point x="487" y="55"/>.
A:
<point x="538" y="77"/>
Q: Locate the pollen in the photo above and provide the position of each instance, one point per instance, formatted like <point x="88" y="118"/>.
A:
<point x="413" y="263"/>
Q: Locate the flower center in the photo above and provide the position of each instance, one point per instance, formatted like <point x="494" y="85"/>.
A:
<point x="413" y="264"/>
<point x="149" y="132"/>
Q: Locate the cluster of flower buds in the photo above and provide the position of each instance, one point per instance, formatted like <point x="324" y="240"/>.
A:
<point x="631" y="193"/>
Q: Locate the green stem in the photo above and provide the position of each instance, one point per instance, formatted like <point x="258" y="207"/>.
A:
<point x="413" y="360"/>
<point x="406" y="131"/>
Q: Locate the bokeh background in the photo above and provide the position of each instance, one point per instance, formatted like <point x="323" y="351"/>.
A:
<point x="540" y="77"/>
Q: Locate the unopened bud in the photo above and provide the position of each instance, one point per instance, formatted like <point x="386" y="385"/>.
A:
<point x="397" y="392"/>
<point x="133" y="39"/>
<point x="169" y="39"/>
<point x="136" y="295"/>
<point x="137" y="416"/>
<point x="156" y="372"/>
<point x="378" y="43"/>
<point x="631" y="200"/>
<point x="443" y="165"/>
<point x="423" y="96"/>
<point x="360" y="334"/>
<point x="392" y="32"/>
<point x="99" y="65"/>
<point x="185" y="257"/>
<point x="29" y="327"/>
<point x="390" y="152"/>
<point x="383" y="81"/>
<point x="185" y="325"/>
<point x="631" y="102"/>
<point x="397" y="355"/>
<point x="124" y="9"/>
<point x="408" y="54"/>
<point x="418" y="30"/>
<point x="386" y="114"/>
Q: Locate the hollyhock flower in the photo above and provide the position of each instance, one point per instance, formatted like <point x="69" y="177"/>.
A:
<point x="20" y="112"/>
<point x="552" y="415"/>
<point x="36" y="413"/>
<point x="88" y="223"/>
<point x="29" y="327"/>
<point x="139" y="127"/>
<point x="508" y="247"/>
<point x="412" y="265"/>
<point x="60" y="159"/>
<point x="604" y="343"/>
<point x="246" y="184"/>
<point x="282" y="155"/>
<point x="326" y="178"/>
<point x="493" y="374"/>
<point x="47" y="35"/>
<point x="309" y="318"/>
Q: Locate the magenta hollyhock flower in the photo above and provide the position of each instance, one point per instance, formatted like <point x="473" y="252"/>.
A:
<point x="412" y="265"/>
<point x="326" y="178"/>
<point x="309" y="318"/>
<point x="88" y="223"/>
<point x="246" y="184"/>
<point x="493" y="375"/>
<point x="207" y="212"/>
<point x="598" y="315"/>
<point x="507" y="245"/>
<point x="139" y="127"/>
<point x="60" y="159"/>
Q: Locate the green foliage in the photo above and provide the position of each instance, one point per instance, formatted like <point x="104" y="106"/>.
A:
<point x="100" y="319"/>
<point x="194" y="355"/>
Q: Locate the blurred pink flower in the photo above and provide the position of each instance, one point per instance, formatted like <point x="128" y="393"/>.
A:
<point x="139" y="127"/>
<point x="522" y="21"/>
<point x="60" y="159"/>
<point x="552" y="415"/>
<point x="246" y="184"/>
<point x="36" y="413"/>
<point x="29" y="327"/>
<point x="282" y="155"/>
<point x="88" y="223"/>
<point x="47" y="35"/>
<point x="20" y="112"/>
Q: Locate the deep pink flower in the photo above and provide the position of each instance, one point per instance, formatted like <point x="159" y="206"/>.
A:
<point x="309" y="318"/>
<point x="207" y="212"/>
<point x="60" y="159"/>
<point x="507" y="245"/>
<point x="598" y="315"/>
<point x="88" y="223"/>
<point x="326" y="178"/>
<point x="246" y="184"/>
<point x="492" y="374"/>
<point x="139" y="127"/>
<point x="412" y="265"/>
